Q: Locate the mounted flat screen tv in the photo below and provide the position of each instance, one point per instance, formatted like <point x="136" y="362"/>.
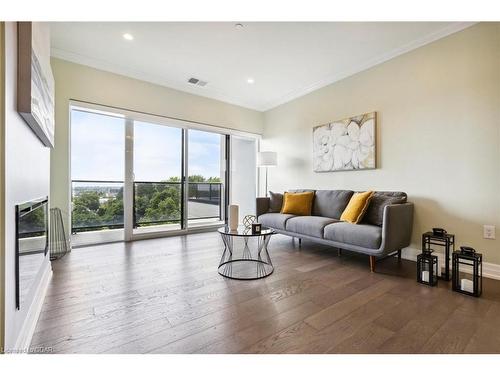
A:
<point x="31" y="245"/>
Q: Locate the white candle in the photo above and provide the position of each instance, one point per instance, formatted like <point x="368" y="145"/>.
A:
<point x="467" y="285"/>
<point x="233" y="216"/>
<point x="425" y="276"/>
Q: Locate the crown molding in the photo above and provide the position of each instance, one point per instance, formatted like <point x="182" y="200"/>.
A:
<point x="212" y="93"/>
<point x="206" y="92"/>
<point x="427" y="39"/>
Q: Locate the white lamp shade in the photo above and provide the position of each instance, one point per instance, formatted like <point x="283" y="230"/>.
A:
<point x="267" y="159"/>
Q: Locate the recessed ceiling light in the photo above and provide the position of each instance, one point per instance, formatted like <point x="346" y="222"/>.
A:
<point x="128" y="36"/>
<point x="251" y="80"/>
<point x="238" y="26"/>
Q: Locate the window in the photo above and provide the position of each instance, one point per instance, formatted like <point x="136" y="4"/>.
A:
<point x="157" y="177"/>
<point x="135" y="175"/>
<point x="97" y="171"/>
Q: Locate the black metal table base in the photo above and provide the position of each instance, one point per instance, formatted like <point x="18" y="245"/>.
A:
<point x="246" y="267"/>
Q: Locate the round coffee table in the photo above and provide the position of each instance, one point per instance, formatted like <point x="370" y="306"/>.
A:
<point x="245" y="266"/>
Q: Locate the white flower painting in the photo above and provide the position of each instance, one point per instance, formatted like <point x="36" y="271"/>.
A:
<point x="347" y="144"/>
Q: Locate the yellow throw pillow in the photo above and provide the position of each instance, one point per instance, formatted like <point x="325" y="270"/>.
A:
<point x="356" y="207"/>
<point x="298" y="203"/>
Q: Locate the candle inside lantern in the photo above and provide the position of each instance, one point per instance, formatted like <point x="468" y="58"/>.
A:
<point x="467" y="285"/>
<point x="425" y="276"/>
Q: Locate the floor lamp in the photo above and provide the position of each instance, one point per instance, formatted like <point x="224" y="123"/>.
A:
<point x="267" y="159"/>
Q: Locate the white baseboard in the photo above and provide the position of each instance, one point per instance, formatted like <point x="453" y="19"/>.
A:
<point x="24" y="339"/>
<point x="490" y="270"/>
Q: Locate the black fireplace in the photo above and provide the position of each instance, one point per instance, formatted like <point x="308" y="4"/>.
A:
<point x="31" y="244"/>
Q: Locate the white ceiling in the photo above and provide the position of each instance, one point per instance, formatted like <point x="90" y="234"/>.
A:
<point x="286" y="60"/>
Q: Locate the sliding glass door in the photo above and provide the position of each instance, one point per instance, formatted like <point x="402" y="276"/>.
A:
<point x="137" y="176"/>
<point x="205" y="182"/>
<point x="157" y="185"/>
<point x="97" y="175"/>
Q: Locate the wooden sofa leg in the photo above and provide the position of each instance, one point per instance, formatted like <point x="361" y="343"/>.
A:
<point x="300" y="241"/>
<point x="339" y="251"/>
<point x="372" y="263"/>
<point x="399" y="255"/>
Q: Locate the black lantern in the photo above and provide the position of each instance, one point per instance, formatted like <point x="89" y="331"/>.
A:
<point x="467" y="271"/>
<point x="427" y="268"/>
<point x="439" y="237"/>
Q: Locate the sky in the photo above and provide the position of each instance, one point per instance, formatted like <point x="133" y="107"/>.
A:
<point x="98" y="144"/>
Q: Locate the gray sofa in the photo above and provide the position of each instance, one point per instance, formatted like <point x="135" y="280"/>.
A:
<point x="385" y="229"/>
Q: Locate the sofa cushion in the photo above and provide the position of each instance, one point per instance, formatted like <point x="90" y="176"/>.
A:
<point x="363" y="235"/>
<point x="331" y="203"/>
<point x="274" y="220"/>
<point x="375" y="212"/>
<point x="275" y="202"/>
<point x="356" y="207"/>
<point x="297" y="203"/>
<point x="308" y="225"/>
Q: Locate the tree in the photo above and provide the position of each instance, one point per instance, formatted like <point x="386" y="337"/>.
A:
<point x="83" y="217"/>
<point x="88" y="199"/>
<point x="164" y="205"/>
<point x="85" y="207"/>
<point x="111" y="212"/>
<point x="213" y="179"/>
<point x="196" y="178"/>
<point x="88" y="211"/>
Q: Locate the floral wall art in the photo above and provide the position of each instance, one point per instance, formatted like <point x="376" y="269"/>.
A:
<point x="347" y="144"/>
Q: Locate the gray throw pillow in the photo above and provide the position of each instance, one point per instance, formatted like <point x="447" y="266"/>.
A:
<point x="375" y="212"/>
<point x="276" y="201"/>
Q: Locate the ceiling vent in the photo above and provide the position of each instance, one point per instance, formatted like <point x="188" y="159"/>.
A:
<point x="197" y="82"/>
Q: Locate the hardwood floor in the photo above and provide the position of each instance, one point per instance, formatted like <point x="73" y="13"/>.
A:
<point x="165" y="296"/>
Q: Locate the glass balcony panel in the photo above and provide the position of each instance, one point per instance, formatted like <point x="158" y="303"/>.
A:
<point x="157" y="203"/>
<point x="96" y="205"/>
<point x="204" y="201"/>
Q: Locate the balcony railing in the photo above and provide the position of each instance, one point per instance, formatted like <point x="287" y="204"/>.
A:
<point x="98" y="205"/>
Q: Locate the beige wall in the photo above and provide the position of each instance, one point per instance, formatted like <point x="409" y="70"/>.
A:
<point x="79" y="82"/>
<point x="438" y="134"/>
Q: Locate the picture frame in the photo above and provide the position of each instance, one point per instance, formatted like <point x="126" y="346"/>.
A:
<point x="346" y="145"/>
<point x="35" y="82"/>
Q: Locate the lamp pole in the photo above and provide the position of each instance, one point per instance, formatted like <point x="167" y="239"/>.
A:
<point x="267" y="159"/>
<point x="266" y="179"/>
